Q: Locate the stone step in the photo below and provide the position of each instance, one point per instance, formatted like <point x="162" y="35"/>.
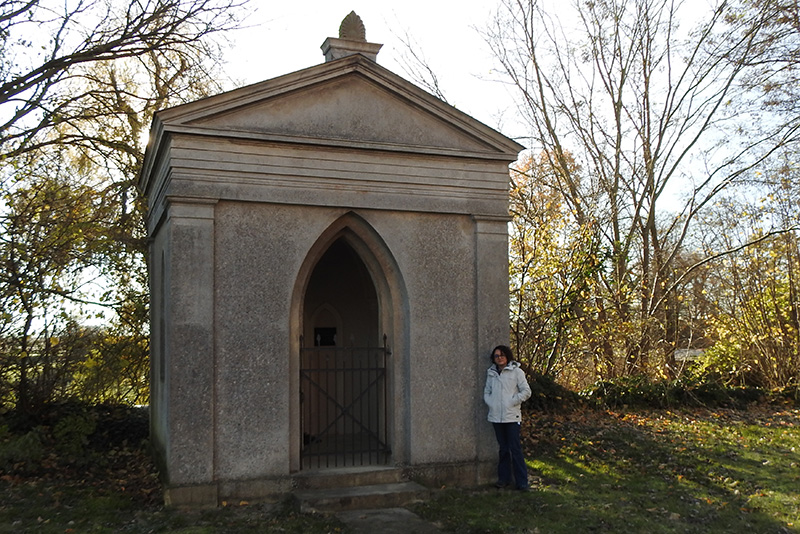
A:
<point x="347" y="477"/>
<point x="373" y="496"/>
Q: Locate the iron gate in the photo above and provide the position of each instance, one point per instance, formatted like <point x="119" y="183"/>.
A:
<point x="343" y="406"/>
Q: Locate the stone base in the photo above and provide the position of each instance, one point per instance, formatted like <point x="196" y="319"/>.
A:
<point x="231" y="491"/>
<point x="459" y="475"/>
<point x="435" y="476"/>
<point x="201" y="496"/>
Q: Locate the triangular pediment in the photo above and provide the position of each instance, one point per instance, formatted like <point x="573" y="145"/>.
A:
<point x="348" y="101"/>
<point x="346" y="108"/>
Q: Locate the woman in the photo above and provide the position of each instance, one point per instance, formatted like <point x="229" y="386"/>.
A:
<point x="506" y="389"/>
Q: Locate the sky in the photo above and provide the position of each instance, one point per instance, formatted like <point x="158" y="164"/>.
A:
<point x="283" y="37"/>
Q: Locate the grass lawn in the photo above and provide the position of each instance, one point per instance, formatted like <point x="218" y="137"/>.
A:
<point x="654" y="472"/>
<point x="591" y="471"/>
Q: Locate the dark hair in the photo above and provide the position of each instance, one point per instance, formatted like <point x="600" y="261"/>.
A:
<point x="505" y="350"/>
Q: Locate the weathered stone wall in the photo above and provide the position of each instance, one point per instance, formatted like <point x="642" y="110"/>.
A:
<point x="246" y="192"/>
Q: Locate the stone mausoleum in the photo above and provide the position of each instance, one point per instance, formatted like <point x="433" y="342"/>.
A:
<point x="328" y="268"/>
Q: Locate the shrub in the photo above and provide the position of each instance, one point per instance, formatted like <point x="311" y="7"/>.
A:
<point x="547" y="395"/>
<point x="786" y="395"/>
<point x="118" y="425"/>
<point x="26" y="448"/>
<point x="639" y="391"/>
<point x="71" y="434"/>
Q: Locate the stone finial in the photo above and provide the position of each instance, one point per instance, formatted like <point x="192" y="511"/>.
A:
<point x="352" y="40"/>
<point x="352" y="28"/>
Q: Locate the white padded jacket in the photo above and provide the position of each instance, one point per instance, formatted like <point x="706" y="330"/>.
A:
<point x="505" y="392"/>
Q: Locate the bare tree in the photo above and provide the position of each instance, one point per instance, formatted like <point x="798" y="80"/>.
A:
<point x="79" y="84"/>
<point x="756" y="290"/>
<point x="651" y="99"/>
<point x="44" y="43"/>
<point x="417" y="67"/>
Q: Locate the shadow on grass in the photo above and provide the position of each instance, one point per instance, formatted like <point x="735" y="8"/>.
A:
<point x="663" y="473"/>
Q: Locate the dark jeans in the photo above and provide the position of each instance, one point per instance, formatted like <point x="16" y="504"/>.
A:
<point x="511" y="458"/>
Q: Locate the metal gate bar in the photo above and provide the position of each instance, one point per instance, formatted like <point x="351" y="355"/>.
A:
<point x="343" y="406"/>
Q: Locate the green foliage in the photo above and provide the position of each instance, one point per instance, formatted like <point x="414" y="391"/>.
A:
<point x="723" y="359"/>
<point x="95" y="365"/>
<point x="59" y="229"/>
<point x="755" y="318"/>
<point x="20" y="449"/>
<point x="71" y="434"/>
<point x="115" y="371"/>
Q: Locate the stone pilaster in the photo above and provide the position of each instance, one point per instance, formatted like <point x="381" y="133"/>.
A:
<point x="189" y="357"/>
<point x="491" y="303"/>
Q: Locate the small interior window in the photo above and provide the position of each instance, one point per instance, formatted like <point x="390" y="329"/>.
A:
<point x="325" y="337"/>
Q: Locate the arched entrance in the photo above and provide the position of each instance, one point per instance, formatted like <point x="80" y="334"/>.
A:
<point x="343" y="365"/>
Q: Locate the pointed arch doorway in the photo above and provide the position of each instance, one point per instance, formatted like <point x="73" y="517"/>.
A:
<point x="343" y="364"/>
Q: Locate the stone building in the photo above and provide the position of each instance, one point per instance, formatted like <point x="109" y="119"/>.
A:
<point x="328" y="267"/>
